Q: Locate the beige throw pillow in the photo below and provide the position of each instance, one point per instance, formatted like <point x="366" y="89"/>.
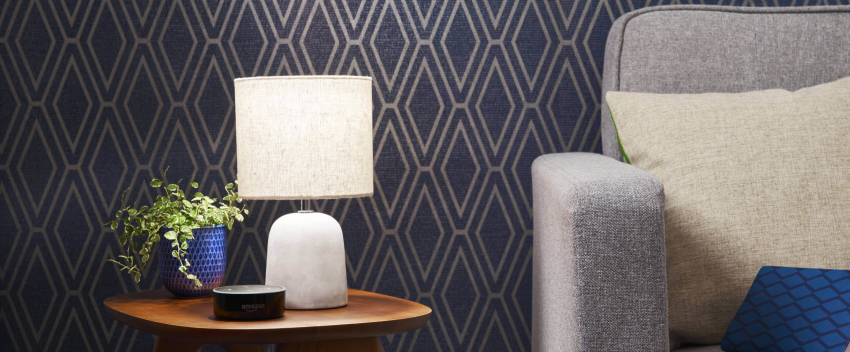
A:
<point x="750" y="179"/>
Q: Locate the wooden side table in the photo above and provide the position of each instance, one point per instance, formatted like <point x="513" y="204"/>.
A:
<point x="187" y="324"/>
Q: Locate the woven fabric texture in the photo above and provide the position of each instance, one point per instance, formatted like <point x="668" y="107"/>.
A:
<point x="712" y="348"/>
<point x="793" y="310"/>
<point x="599" y="268"/>
<point x="279" y="121"/>
<point x="697" y="49"/>
<point x="781" y="200"/>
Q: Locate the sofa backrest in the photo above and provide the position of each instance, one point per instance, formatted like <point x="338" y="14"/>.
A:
<point x="697" y="49"/>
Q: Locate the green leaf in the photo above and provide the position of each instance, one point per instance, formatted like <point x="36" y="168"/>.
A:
<point x="173" y="210"/>
<point x="187" y="262"/>
<point x="236" y="182"/>
<point x="198" y="283"/>
<point x="182" y="269"/>
<point x="138" y="277"/>
<point x="191" y="277"/>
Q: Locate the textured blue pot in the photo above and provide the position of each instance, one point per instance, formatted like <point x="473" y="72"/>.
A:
<point x="207" y="254"/>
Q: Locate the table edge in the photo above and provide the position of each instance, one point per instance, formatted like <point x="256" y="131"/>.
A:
<point x="282" y="335"/>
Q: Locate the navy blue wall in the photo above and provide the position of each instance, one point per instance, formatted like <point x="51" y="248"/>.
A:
<point x="97" y="96"/>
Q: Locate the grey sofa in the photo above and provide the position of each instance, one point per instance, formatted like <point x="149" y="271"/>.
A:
<point x="599" y="258"/>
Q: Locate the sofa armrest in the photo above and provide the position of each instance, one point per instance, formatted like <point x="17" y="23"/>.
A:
<point x="599" y="261"/>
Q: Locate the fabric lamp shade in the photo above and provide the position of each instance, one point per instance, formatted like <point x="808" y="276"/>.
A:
<point x="304" y="137"/>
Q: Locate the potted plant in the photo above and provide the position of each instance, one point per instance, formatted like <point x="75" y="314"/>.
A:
<point x="193" y="253"/>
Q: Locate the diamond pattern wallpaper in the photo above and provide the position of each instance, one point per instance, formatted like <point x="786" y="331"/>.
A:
<point x="98" y="96"/>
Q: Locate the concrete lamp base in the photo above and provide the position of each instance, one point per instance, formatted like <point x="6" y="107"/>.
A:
<point x="306" y="255"/>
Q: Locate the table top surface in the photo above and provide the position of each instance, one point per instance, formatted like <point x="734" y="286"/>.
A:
<point x="367" y="314"/>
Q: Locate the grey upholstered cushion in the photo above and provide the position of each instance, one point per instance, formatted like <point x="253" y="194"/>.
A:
<point x="599" y="276"/>
<point x="696" y="49"/>
<point x="599" y="262"/>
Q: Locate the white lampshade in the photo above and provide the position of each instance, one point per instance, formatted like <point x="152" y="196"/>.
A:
<point x="304" y="137"/>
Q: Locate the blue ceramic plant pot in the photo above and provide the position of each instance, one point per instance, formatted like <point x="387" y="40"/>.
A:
<point x="207" y="254"/>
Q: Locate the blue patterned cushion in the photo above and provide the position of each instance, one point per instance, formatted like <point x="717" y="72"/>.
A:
<point x="793" y="309"/>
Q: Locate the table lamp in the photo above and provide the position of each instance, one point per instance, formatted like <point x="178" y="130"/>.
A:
<point x="303" y="138"/>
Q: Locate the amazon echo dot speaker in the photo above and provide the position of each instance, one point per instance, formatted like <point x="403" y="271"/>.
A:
<point x="249" y="302"/>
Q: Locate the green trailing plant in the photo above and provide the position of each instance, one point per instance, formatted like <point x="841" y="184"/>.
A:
<point x="177" y="213"/>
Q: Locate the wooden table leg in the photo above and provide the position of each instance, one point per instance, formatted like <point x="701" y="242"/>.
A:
<point x="243" y="348"/>
<point x="364" y="344"/>
<point x="164" y="344"/>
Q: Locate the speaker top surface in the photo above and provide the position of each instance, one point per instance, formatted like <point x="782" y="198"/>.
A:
<point x="248" y="289"/>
